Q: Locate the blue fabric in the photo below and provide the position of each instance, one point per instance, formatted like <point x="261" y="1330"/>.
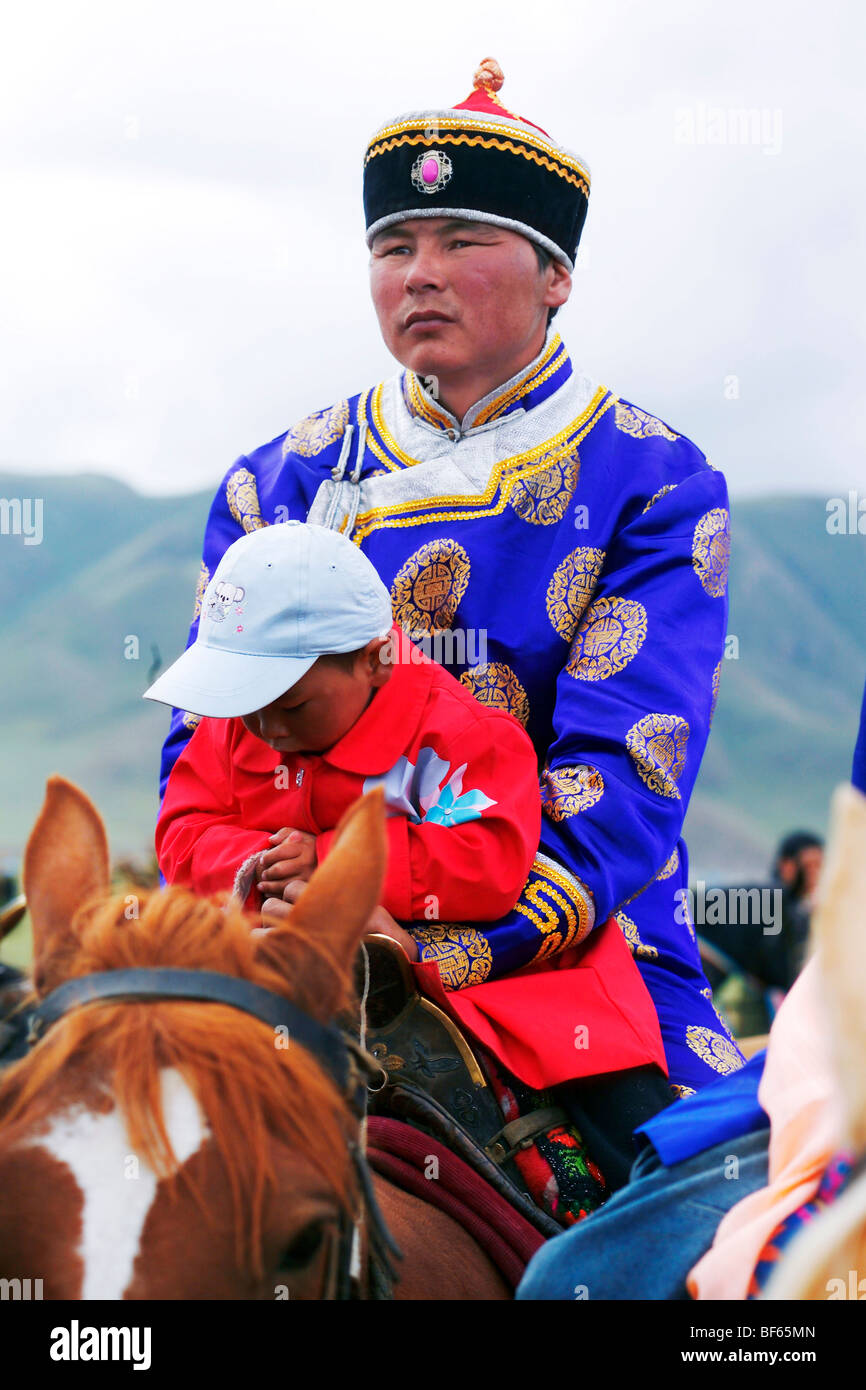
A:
<point x="644" y="1241"/>
<point x="596" y="570"/>
<point x="722" y="1111"/>
<point x="858" y="772"/>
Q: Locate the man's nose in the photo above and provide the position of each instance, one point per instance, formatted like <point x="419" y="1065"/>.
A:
<point x="425" y="270"/>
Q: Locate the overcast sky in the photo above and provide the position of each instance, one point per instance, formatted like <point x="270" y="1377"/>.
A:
<point x="181" y="245"/>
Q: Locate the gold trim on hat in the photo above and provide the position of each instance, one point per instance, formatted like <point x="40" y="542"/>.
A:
<point x="410" y="131"/>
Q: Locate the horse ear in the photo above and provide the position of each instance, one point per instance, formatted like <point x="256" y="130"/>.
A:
<point x="65" y="863"/>
<point x="334" y="909"/>
<point x="839" y="925"/>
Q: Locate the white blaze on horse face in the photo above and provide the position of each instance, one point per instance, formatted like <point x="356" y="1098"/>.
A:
<point x="118" y="1193"/>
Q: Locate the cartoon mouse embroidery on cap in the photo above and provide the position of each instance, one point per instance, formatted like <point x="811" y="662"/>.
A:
<point x="224" y="595"/>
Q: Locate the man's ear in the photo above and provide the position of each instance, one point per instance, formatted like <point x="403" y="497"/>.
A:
<point x="559" y="284"/>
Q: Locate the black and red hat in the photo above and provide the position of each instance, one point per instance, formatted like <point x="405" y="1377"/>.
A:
<point x="479" y="161"/>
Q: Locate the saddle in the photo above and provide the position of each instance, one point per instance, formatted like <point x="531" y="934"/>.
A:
<point x="436" y="1081"/>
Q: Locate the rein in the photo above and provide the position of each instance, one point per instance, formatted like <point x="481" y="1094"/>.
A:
<point x="347" y="1062"/>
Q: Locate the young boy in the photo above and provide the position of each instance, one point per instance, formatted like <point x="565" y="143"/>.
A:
<point x="311" y="698"/>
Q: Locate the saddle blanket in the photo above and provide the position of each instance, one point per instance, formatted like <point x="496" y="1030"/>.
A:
<point x="402" y="1155"/>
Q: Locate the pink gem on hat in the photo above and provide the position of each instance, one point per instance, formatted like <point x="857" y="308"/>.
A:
<point x="431" y="171"/>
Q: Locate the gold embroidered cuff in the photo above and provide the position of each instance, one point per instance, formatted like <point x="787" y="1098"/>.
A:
<point x="462" y="954"/>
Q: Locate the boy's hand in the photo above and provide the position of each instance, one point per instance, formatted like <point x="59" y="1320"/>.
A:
<point x="292" y="856"/>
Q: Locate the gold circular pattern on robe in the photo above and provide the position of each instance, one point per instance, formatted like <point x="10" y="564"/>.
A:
<point x="495" y="684"/>
<point x="462" y="954"/>
<point x="190" y="721"/>
<point x="243" y="499"/>
<point x="657" y="496"/>
<point x="657" y="744"/>
<point x="611" y="633"/>
<point x="717" y="680"/>
<point x="711" y="551"/>
<point x="638" y="948"/>
<point x="203" y="581"/>
<point x="566" y="791"/>
<point x="319" y="430"/>
<point x="429" y="586"/>
<point x="718" y="1052"/>
<point x="680" y="1092"/>
<point x="542" y="497"/>
<point x="638" y="423"/>
<point x="571" y="589"/>
<point x="669" y="867"/>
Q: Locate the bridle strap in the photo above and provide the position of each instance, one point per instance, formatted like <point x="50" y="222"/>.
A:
<point x="144" y="983"/>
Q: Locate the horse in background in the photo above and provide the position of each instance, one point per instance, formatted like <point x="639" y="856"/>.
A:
<point x="173" y="1149"/>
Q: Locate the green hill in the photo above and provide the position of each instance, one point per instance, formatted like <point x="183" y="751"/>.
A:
<point x="787" y="716"/>
<point x="112" y="565"/>
<point x="115" y="565"/>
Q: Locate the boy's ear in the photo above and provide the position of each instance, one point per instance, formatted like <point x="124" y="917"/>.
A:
<point x="380" y="659"/>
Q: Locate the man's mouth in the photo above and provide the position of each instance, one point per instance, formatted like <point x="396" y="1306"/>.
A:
<point x="428" y="318"/>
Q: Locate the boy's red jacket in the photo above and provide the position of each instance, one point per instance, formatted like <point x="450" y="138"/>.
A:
<point x="461" y="789"/>
<point x="464" y="817"/>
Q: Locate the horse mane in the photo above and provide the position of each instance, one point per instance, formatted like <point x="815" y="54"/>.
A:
<point x="252" y="1091"/>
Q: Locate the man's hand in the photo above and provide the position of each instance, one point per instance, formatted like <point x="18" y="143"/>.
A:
<point x="292" y="856"/>
<point x="274" y="913"/>
<point x="277" y="911"/>
<point x="382" y="924"/>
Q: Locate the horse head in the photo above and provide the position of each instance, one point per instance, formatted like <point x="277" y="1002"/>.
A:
<point x="166" y="1148"/>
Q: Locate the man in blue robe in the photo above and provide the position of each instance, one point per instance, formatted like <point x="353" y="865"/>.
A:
<point x="561" y="550"/>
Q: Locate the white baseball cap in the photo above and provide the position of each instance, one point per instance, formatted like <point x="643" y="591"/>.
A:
<point x="279" y="599"/>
